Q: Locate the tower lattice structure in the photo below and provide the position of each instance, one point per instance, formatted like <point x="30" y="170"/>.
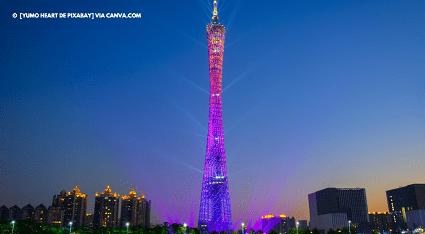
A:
<point x="214" y="211"/>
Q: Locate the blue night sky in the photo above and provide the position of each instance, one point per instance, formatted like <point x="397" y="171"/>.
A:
<point x="315" y="94"/>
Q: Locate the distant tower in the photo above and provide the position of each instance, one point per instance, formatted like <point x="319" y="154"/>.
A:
<point x="106" y="209"/>
<point x="214" y="211"/>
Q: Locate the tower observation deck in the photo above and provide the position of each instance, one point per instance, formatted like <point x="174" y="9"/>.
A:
<point x="214" y="211"/>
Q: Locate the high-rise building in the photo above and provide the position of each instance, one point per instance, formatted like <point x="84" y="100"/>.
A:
<point x="40" y="214"/>
<point x="106" y="209"/>
<point x="335" y="207"/>
<point x="380" y="221"/>
<point x="75" y="207"/>
<point x="135" y="210"/>
<point x="56" y="212"/>
<point x="27" y="212"/>
<point x="89" y="220"/>
<point x="407" y="207"/>
<point x="58" y="199"/>
<point x="214" y="211"/>
<point x="55" y="216"/>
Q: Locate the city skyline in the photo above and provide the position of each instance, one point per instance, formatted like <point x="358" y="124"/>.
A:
<point x="318" y="94"/>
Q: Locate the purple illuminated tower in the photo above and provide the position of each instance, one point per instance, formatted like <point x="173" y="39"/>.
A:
<point x="214" y="212"/>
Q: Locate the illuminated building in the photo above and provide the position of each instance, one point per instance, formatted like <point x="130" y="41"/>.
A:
<point x="40" y="214"/>
<point x="58" y="200"/>
<point x="214" y="211"/>
<point x="106" y="209"/>
<point x="380" y="221"/>
<point x="135" y="210"/>
<point x="407" y="207"/>
<point x="56" y="212"/>
<point x="334" y="207"/>
<point x="244" y="229"/>
<point x="55" y="216"/>
<point x="281" y="224"/>
<point x="75" y="208"/>
<point x="27" y="212"/>
<point x="89" y="220"/>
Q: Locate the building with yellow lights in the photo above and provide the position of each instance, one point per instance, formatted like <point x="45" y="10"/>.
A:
<point x="407" y="207"/>
<point x="40" y="214"/>
<point x="75" y="208"/>
<point x="55" y="216"/>
<point x="380" y="221"/>
<point x="281" y="224"/>
<point x="106" y="209"/>
<point x="89" y="220"/>
<point x="135" y="210"/>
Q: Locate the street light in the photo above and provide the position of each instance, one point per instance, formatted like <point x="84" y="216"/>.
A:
<point x="297" y="226"/>
<point x="242" y="228"/>
<point x="70" y="229"/>
<point x="349" y="226"/>
<point x="13" y="223"/>
<point x="185" y="225"/>
<point x="127" y="225"/>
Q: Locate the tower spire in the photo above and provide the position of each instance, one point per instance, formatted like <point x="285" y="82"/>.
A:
<point x="215" y="16"/>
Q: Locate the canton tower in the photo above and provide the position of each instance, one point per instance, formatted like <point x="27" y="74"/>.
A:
<point x="214" y="211"/>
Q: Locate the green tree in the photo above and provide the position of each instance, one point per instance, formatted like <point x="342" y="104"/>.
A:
<point x="260" y="231"/>
<point x="315" y="231"/>
<point x="233" y="232"/>
<point x="307" y="231"/>
<point x="273" y="232"/>
<point x="193" y="231"/>
<point x="5" y="227"/>
<point x="331" y="231"/>
<point x="176" y="228"/>
<point x="223" y="232"/>
<point x="160" y="229"/>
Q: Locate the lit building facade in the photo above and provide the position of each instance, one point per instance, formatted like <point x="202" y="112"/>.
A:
<point x="40" y="214"/>
<point x="280" y="224"/>
<point x="75" y="207"/>
<point x="380" y="221"/>
<point x="332" y="208"/>
<point x="135" y="210"/>
<point x="214" y="211"/>
<point x="106" y="209"/>
<point x="56" y="212"/>
<point x="407" y="207"/>
<point x="89" y="220"/>
<point x="27" y="212"/>
<point x="55" y="216"/>
<point x="58" y="199"/>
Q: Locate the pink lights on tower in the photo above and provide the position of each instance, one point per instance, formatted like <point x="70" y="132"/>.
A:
<point x="214" y="211"/>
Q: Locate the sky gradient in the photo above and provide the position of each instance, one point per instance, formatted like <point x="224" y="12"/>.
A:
<point x="315" y="94"/>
